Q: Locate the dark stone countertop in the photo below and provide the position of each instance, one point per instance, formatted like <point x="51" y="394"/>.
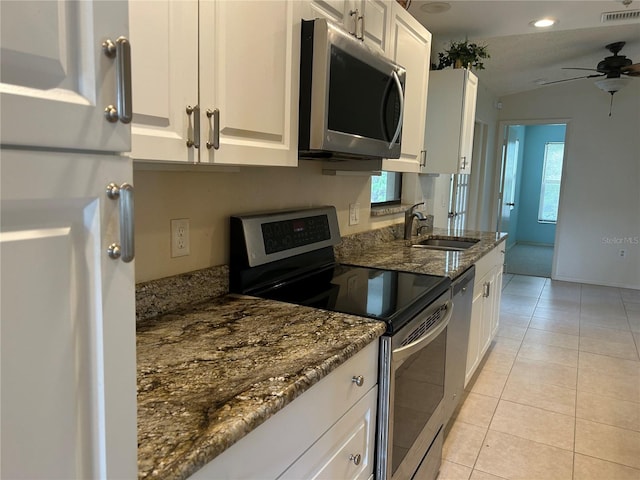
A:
<point x="209" y="374"/>
<point x="395" y="254"/>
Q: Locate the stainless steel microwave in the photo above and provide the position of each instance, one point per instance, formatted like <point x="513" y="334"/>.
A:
<point x="351" y="98"/>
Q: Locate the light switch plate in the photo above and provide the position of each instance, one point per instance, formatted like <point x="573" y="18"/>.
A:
<point x="354" y="214"/>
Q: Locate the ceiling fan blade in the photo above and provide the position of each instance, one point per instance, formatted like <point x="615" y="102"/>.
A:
<point x="578" y="68"/>
<point x="575" y="78"/>
<point x="631" y="70"/>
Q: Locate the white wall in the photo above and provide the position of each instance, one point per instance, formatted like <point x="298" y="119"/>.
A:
<point x="208" y="199"/>
<point x="482" y="196"/>
<point x="600" y="197"/>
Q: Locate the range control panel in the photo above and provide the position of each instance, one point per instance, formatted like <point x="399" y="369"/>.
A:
<point x="262" y="238"/>
<point x="286" y="234"/>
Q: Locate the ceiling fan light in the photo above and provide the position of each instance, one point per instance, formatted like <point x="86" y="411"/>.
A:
<point x="611" y="85"/>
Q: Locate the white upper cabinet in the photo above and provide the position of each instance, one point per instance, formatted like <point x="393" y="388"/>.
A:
<point x="367" y="20"/>
<point x="56" y="81"/>
<point x="451" y="121"/>
<point x="249" y="75"/>
<point x="219" y="81"/>
<point x="165" y="79"/>
<point x="411" y="48"/>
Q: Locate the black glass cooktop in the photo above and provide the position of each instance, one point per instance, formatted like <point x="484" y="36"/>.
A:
<point x="392" y="296"/>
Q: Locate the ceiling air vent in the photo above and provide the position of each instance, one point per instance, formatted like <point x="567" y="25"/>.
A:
<point x="620" y="15"/>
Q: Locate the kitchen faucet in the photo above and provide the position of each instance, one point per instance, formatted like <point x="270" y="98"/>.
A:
<point x="409" y="215"/>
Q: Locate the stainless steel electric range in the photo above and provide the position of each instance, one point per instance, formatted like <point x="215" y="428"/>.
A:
<point x="288" y="256"/>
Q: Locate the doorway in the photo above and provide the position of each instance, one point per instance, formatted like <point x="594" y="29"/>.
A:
<point x="529" y="194"/>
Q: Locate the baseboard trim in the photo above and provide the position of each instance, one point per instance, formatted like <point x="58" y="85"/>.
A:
<point x="563" y="278"/>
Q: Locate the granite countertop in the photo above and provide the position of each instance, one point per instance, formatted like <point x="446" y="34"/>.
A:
<point x="211" y="373"/>
<point x="396" y="254"/>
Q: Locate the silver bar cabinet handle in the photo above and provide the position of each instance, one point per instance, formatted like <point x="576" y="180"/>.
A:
<point x="126" y="249"/>
<point x="216" y="128"/>
<point x="361" y="37"/>
<point x="195" y="141"/>
<point x="354" y="14"/>
<point x="121" y="51"/>
<point x="215" y="131"/>
<point x="401" y="96"/>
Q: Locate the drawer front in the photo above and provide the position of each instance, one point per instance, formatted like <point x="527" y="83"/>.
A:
<point x="345" y="451"/>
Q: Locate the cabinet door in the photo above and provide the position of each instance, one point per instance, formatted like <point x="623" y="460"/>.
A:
<point x="468" y="121"/>
<point x="335" y="10"/>
<point x="346" y="450"/>
<point x="249" y="73"/>
<point x="376" y="24"/>
<point x="497" y="296"/>
<point x="165" y="78"/>
<point x="411" y="48"/>
<point x="488" y="312"/>
<point x="55" y="80"/>
<point x="68" y="320"/>
<point x="475" y="329"/>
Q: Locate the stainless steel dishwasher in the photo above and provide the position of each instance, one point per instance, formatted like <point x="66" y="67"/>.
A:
<point x="457" y="341"/>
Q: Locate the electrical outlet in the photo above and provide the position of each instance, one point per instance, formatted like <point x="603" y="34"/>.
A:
<point x="623" y="252"/>
<point x="179" y="237"/>
<point x="354" y="214"/>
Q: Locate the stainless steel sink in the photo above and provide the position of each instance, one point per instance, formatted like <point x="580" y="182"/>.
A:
<point x="446" y="243"/>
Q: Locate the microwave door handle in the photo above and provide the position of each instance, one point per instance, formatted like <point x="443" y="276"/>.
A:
<point x="401" y="96"/>
<point x="399" y="355"/>
<point x="383" y="108"/>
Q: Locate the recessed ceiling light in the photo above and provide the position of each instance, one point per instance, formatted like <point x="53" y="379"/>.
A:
<point x="435" y="7"/>
<point x="543" y="22"/>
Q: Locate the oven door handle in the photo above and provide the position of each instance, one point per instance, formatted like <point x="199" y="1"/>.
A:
<point x="400" y="354"/>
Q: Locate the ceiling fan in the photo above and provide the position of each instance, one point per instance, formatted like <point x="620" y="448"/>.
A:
<point x="614" y="67"/>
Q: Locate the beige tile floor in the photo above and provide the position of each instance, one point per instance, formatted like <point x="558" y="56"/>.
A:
<point x="558" y="395"/>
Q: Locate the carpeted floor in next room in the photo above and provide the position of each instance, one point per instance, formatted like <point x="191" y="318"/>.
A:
<point x="533" y="260"/>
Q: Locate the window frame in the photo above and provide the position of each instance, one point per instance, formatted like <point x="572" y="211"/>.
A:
<point x="387" y="203"/>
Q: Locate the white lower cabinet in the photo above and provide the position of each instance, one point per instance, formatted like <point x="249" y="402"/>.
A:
<point x="327" y="432"/>
<point x="67" y="346"/>
<point x="485" y="310"/>
<point x="346" y="450"/>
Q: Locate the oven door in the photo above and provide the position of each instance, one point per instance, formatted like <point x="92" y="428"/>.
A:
<point x="412" y="371"/>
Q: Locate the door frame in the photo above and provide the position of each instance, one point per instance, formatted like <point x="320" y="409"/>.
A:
<point x="496" y="204"/>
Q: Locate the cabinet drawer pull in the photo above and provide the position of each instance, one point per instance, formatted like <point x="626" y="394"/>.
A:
<point x="361" y="18"/>
<point x="358" y="380"/>
<point x="355" y="458"/>
<point x="121" y="51"/>
<point x="195" y="141"/>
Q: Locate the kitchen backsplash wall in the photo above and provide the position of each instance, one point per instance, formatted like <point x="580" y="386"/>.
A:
<point x="207" y="199"/>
